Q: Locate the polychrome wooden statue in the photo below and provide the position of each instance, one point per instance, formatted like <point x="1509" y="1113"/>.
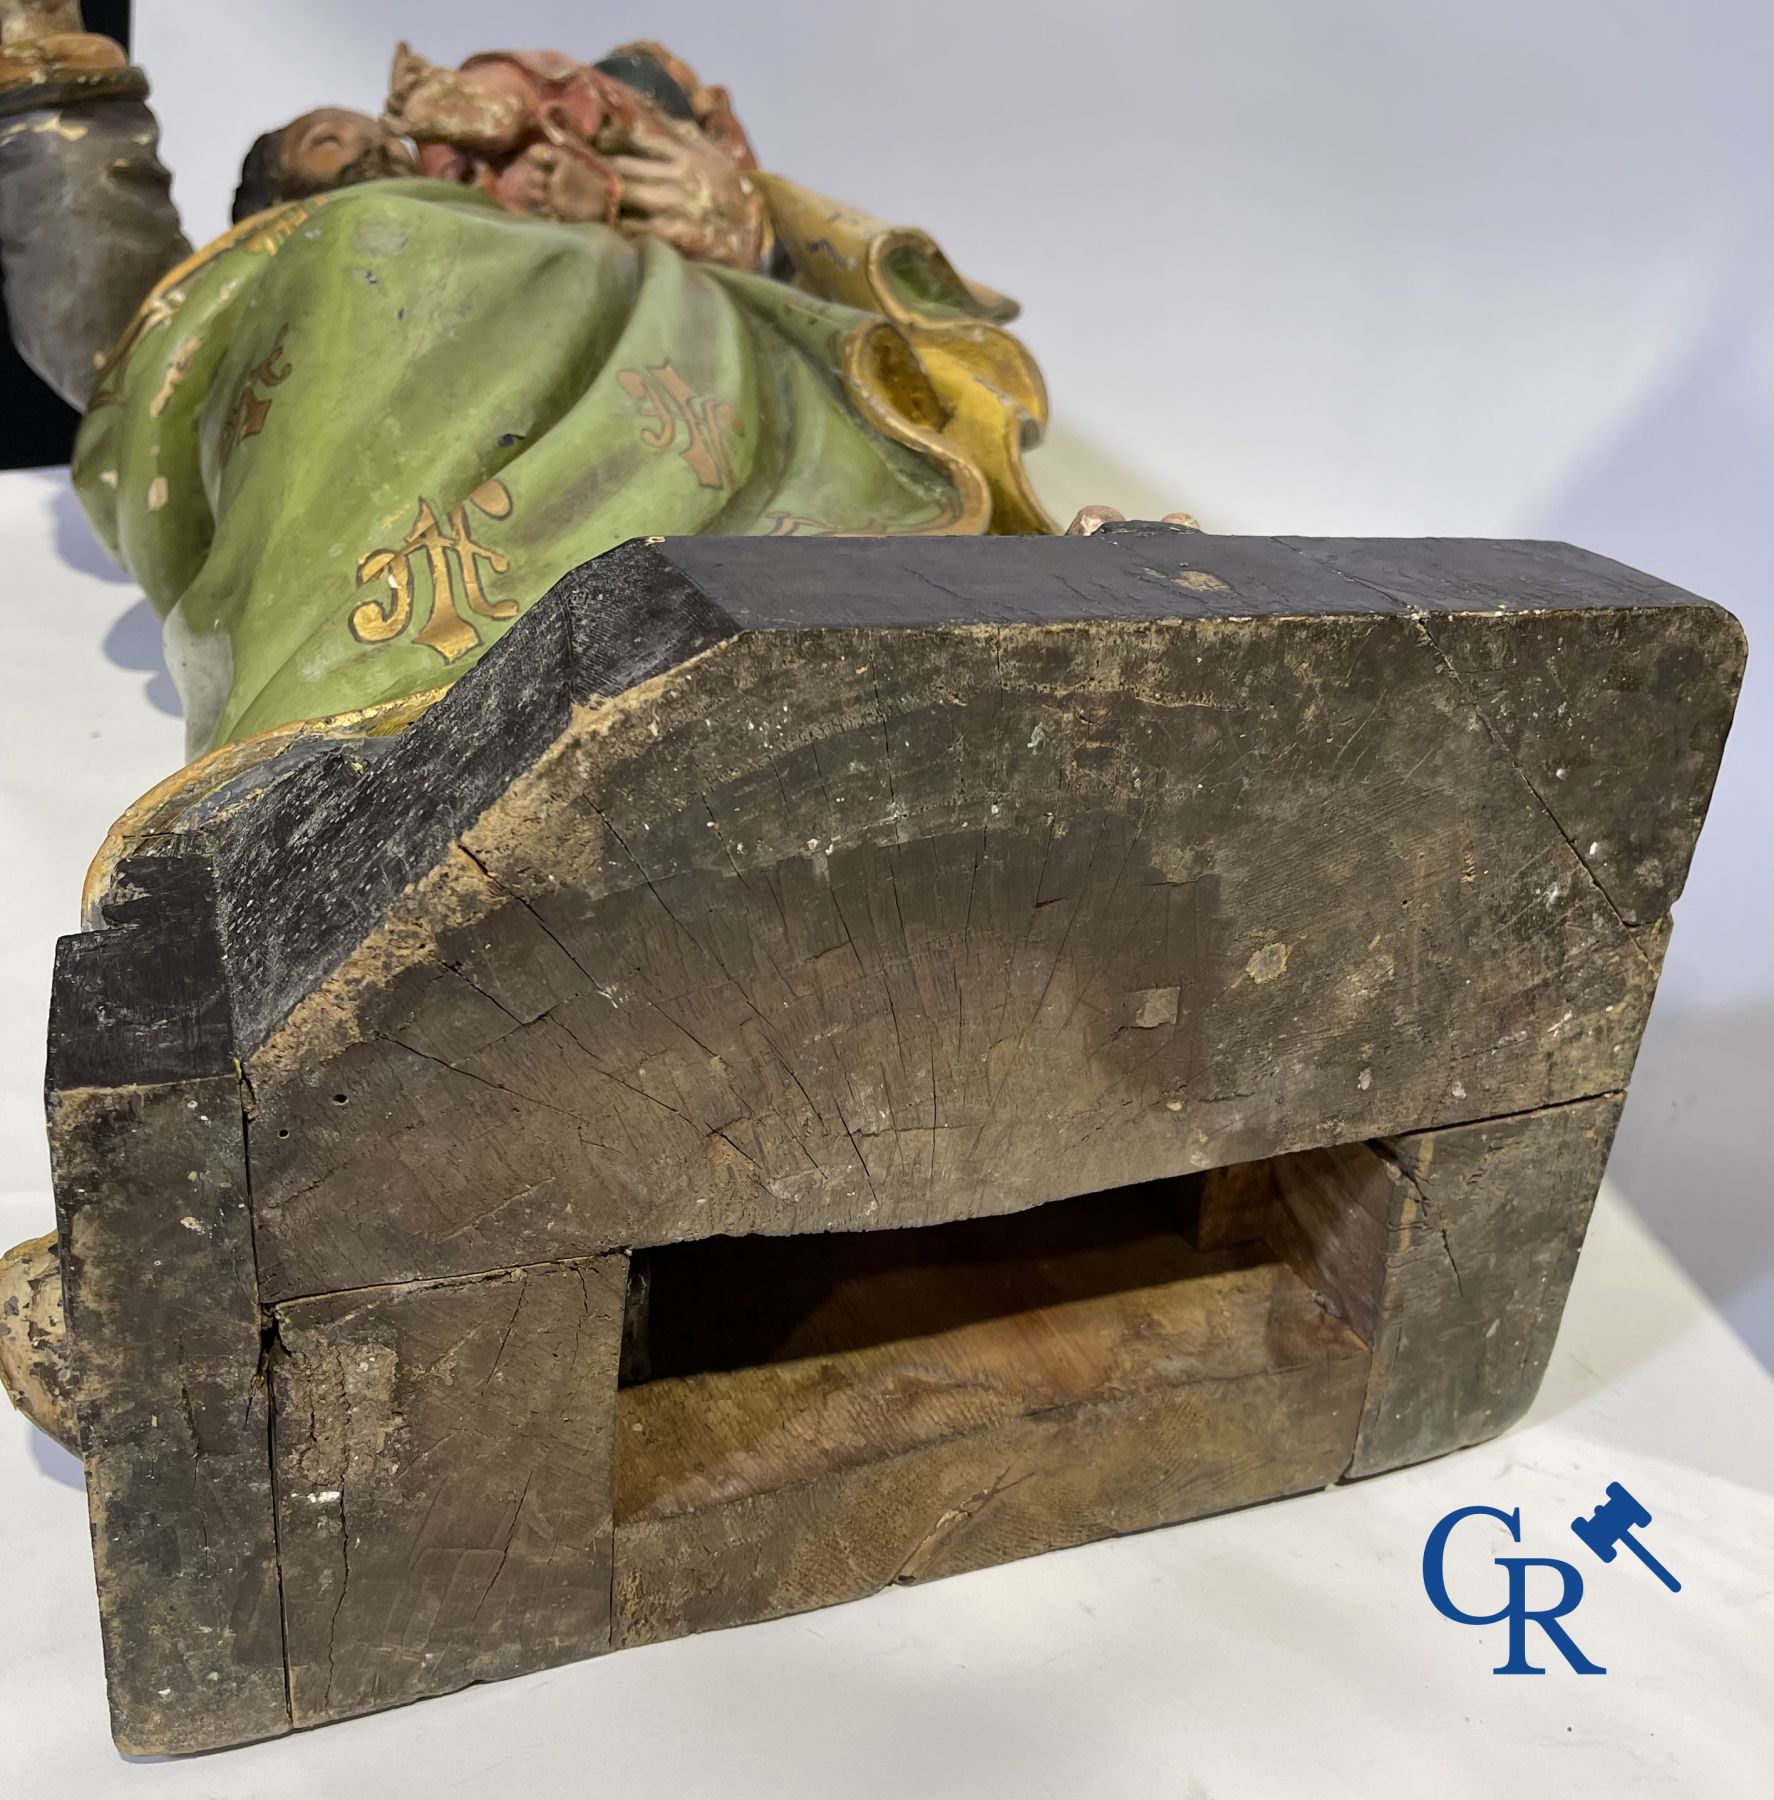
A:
<point x="344" y="445"/>
<point x="723" y="1019"/>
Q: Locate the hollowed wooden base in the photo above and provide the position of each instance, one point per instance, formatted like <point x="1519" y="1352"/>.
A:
<point x="812" y="1067"/>
<point x="830" y="1414"/>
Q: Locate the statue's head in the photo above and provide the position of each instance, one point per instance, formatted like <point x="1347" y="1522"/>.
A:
<point x="322" y="150"/>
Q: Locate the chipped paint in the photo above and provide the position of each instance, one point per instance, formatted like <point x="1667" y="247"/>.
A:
<point x="1269" y="962"/>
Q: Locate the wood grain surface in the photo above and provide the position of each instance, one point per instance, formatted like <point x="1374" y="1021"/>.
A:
<point x="824" y="1063"/>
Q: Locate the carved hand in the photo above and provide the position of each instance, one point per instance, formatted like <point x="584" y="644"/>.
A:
<point x="684" y="190"/>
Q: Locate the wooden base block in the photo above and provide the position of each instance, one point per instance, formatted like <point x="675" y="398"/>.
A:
<point x="824" y="1063"/>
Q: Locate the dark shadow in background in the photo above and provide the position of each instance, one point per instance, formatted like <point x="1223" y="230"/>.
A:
<point x="134" y="641"/>
<point x="36" y="427"/>
<point x="76" y="543"/>
<point x="1684" y="491"/>
<point x="61" y="1466"/>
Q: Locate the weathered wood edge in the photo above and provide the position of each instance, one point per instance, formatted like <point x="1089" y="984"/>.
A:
<point x="160" y="1288"/>
<point x="407" y="1574"/>
<point x="303" y="874"/>
<point x="651" y="604"/>
<point x="1636" y="843"/>
<point x="1478" y="1246"/>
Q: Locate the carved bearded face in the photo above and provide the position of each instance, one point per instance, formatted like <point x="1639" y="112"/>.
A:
<point x="333" y="147"/>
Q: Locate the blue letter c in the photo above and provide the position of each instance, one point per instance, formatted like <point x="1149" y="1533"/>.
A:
<point x="1435" y="1582"/>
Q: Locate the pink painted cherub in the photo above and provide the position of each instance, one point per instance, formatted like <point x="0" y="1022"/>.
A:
<point x="635" y="142"/>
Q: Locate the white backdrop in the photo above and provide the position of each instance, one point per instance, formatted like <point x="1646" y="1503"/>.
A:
<point x="1366" y="268"/>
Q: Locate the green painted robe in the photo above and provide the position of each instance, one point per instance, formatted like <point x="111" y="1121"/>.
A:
<point x="345" y="446"/>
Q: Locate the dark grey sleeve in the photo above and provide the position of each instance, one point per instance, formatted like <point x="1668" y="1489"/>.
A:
<point x="87" y="226"/>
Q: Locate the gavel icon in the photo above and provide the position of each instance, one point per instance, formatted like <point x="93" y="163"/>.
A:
<point x="1612" y="1524"/>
